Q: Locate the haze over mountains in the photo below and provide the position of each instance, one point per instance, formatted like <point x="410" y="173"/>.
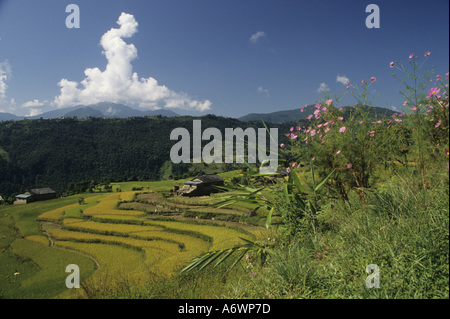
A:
<point x="296" y="114"/>
<point x="103" y="110"/>
<point x="114" y="110"/>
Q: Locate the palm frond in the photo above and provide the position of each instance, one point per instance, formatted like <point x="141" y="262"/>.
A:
<point x="207" y="258"/>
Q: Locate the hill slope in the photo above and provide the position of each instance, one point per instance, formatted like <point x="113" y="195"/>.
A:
<point x="296" y="115"/>
<point x="58" y="153"/>
<point x="8" y="117"/>
<point x="103" y="109"/>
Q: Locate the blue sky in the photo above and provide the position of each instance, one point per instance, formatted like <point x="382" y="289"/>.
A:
<point x="225" y="57"/>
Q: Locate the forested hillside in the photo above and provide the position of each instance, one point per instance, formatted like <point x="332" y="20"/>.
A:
<point x="71" y="154"/>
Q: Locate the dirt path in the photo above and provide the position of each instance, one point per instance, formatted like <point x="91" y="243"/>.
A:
<point x="52" y="243"/>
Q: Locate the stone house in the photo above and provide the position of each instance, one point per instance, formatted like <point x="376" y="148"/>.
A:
<point x="34" y="195"/>
<point x="201" y="186"/>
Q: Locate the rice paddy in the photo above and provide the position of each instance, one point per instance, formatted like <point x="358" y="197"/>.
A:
<point x="119" y="236"/>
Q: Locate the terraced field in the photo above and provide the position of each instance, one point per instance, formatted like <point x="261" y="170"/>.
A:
<point x="132" y="236"/>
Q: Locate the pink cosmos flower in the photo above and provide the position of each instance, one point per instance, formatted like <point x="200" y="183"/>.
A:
<point x="391" y="64"/>
<point x="362" y="81"/>
<point x="293" y="164"/>
<point x="373" y="79"/>
<point x="298" y="128"/>
<point x="411" y="55"/>
<point x="349" y="165"/>
<point x="348" y="85"/>
<point x="291" y="129"/>
<point x="302" y="109"/>
<point x="282" y="145"/>
<point x="288" y="170"/>
<point x="340" y="118"/>
<point x="438" y="123"/>
<point x="427" y="53"/>
<point x="309" y="117"/>
<point x="361" y="122"/>
<point x="433" y="91"/>
<point x="342" y="129"/>
<point x="338" y="152"/>
<point x="328" y="102"/>
<point x="414" y="108"/>
<point x="406" y="102"/>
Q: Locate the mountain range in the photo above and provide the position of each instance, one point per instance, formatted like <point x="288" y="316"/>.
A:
<point x="103" y="110"/>
<point x="297" y="115"/>
<point x="114" y="110"/>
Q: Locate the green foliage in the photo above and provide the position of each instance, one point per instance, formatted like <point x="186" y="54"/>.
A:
<point x="207" y="258"/>
<point x="74" y="156"/>
<point x="32" y="270"/>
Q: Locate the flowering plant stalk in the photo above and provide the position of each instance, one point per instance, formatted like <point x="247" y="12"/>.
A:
<point x="354" y="142"/>
<point x="427" y="111"/>
<point x="346" y="141"/>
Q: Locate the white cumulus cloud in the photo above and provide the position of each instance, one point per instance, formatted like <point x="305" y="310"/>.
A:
<point x="342" y="79"/>
<point x="323" y="87"/>
<point x="34" y="107"/>
<point x="263" y="91"/>
<point x="5" y="70"/>
<point x="256" y="36"/>
<point x="5" y="73"/>
<point x="32" y="104"/>
<point x="118" y="83"/>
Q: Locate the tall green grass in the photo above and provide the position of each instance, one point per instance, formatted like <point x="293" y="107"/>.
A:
<point x="402" y="230"/>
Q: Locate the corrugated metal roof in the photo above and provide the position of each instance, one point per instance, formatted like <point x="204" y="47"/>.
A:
<point x="22" y="196"/>
<point x="192" y="183"/>
<point x="209" y="178"/>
